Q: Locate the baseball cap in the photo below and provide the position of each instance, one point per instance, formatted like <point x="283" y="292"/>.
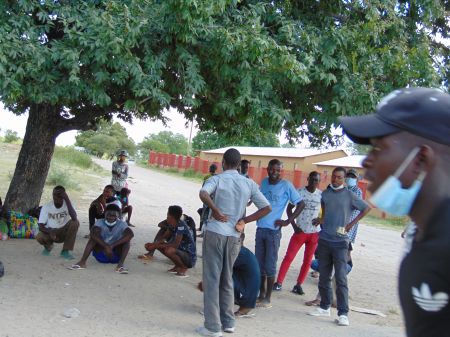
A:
<point x="353" y="171"/>
<point x="424" y="112"/>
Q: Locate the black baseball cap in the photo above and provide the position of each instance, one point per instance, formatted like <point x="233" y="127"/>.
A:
<point x="424" y="112"/>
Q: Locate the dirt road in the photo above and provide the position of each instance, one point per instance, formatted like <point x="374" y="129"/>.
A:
<point x="150" y="302"/>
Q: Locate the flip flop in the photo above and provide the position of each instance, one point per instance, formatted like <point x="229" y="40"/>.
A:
<point x="75" y="267"/>
<point x="145" y="257"/>
<point x="122" y="270"/>
<point x="239" y="314"/>
<point x="181" y="275"/>
<point x="173" y="271"/>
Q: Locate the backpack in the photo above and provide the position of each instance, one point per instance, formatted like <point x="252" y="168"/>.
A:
<point x="191" y="224"/>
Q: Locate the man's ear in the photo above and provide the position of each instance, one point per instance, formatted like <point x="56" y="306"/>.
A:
<point x="425" y="160"/>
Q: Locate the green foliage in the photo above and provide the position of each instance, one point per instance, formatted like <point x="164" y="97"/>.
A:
<point x="73" y="157"/>
<point x="208" y="140"/>
<point x="164" y="141"/>
<point x="233" y="66"/>
<point x="359" y="149"/>
<point x="61" y="176"/>
<point x="107" y="140"/>
<point x="11" y="136"/>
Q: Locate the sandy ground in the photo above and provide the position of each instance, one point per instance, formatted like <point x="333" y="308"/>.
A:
<point x="150" y="302"/>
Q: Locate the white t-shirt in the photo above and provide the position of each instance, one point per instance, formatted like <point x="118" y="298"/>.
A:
<point x="54" y="217"/>
<point x="311" y="210"/>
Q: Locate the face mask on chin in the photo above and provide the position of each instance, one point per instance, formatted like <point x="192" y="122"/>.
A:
<point x="340" y="187"/>
<point x="391" y="197"/>
<point x="110" y="224"/>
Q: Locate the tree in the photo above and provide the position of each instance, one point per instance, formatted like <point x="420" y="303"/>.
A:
<point x="164" y="141"/>
<point x="207" y="140"/>
<point x="106" y="140"/>
<point x="232" y="66"/>
<point x="11" y="136"/>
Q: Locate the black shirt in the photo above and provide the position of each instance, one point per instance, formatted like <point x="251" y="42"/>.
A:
<point x="424" y="282"/>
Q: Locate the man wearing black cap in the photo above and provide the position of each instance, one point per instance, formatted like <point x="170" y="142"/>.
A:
<point x="408" y="167"/>
<point x="109" y="241"/>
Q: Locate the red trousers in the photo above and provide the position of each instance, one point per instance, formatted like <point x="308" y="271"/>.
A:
<point x="296" y="242"/>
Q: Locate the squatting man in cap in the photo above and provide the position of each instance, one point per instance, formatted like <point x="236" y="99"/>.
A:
<point x="408" y="168"/>
<point x="109" y="241"/>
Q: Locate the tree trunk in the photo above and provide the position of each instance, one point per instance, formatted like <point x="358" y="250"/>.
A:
<point x="33" y="164"/>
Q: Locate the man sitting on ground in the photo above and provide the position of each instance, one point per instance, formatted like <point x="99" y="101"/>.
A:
<point x="181" y="250"/>
<point x="109" y="242"/>
<point x="58" y="223"/>
<point x="97" y="207"/>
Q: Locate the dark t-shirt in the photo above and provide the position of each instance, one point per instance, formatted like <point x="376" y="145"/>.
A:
<point x="424" y="281"/>
<point x="187" y="243"/>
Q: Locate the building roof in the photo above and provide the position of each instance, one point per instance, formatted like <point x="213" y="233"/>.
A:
<point x="275" y="152"/>
<point x="349" y="161"/>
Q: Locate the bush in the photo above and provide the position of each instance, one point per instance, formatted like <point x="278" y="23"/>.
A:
<point x="73" y="157"/>
<point x="58" y="176"/>
<point x="11" y="136"/>
<point x="190" y="173"/>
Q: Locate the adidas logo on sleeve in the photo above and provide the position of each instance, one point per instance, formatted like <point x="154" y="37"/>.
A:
<point x="428" y="301"/>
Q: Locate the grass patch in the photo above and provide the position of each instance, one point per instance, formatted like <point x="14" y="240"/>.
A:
<point x="59" y="176"/>
<point x="73" y="169"/>
<point x="189" y="174"/>
<point x="396" y="223"/>
<point x="73" y="157"/>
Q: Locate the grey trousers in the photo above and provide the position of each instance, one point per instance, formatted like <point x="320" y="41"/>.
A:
<point x="219" y="254"/>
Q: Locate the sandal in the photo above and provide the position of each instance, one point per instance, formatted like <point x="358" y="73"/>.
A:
<point x="75" y="267"/>
<point x="145" y="257"/>
<point x="122" y="270"/>
<point x="312" y="303"/>
<point x="181" y="275"/>
<point x="239" y="314"/>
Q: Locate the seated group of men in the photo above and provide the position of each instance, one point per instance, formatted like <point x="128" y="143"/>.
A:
<point x="110" y="236"/>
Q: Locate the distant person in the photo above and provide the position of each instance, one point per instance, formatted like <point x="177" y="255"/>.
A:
<point x="408" y="168"/>
<point x="109" y="242"/>
<point x="204" y="211"/>
<point x="304" y="233"/>
<point x="221" y="240"/>
<point x="120" y="172"/>
<point x="337" y="206"/>
<point x="245" y="164"/>
<point x="279" y="192"/>
<point x="351" y="181"/>
<point x="124" y="198"/>
<point x="58" y="223"/>
<point x="177" y="243"/>
<point x="98" y="206"/>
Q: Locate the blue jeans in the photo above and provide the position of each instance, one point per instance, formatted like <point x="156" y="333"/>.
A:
<point x="267" y="244"/>
<point x="333" y="254"/>
<point x="246" y="279"/>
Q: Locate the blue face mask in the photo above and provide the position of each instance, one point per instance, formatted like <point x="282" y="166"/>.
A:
<point x="391" y="197"/>
<point x="351" y="182"/>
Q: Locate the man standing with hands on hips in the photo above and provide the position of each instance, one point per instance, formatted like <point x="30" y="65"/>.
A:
<point x="409" y="171"/>
<point x="221" y="243"/>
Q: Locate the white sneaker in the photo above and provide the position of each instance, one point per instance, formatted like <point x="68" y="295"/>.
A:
<point x="319" y="312"/>
<point x="343" y="320"/>
<point x="202" y="331"/>
<point x="228" y="330"/>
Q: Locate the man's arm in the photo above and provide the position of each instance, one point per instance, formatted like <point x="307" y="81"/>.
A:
<point x="319" y="221"/>
<point x="260" y="213"/>
<point x="298" y="209"/>
<point x="361" y="215"/>
<point x="72" y="212"/>
<point x="44" y="229"/>
<point x="161" y="244"/>
<point x="216" y="213"/>
<point x="126" y="237"/>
